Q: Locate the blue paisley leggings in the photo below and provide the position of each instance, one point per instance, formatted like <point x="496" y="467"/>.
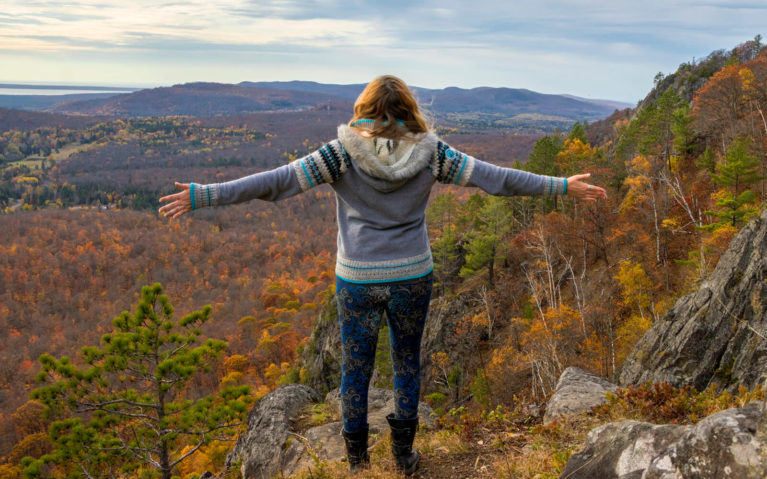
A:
<point x="360" y="308"/>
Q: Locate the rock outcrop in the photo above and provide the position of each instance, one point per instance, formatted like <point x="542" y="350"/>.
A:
<point x="259" y="448"/>
<point x="326" y="441"/>
<point x="321" y="357"/>
<point x="718" y="333"/>
<point x="731" y="443"/>
<point x="577" y="391"/>
<point x="439" y="336"/>
<point x="271" y="446"/>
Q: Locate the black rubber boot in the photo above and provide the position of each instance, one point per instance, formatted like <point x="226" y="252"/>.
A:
<point x="357" y="449"/>
<point x="402" y="435"/>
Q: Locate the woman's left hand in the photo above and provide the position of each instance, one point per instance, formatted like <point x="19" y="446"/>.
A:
<point x="181" y="202"/>
<point x="583" y="191"/>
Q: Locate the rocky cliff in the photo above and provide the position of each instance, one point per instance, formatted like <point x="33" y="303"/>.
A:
<point x="718" y="333"/>
<point x="321" y="357"/>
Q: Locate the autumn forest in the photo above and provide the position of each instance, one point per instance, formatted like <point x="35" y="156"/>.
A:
<point x="535" y="285"/>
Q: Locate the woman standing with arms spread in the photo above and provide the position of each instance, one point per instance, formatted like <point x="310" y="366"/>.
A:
<point x="382" y="167"/>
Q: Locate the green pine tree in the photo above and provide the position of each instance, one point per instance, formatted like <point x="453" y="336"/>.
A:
<point x="544" y="156"/>
<point x="741" y="168"/>
<point x="127" y="408"/>
<point x="443" y="215"/>
<point x="737" y="173"/>
<point x="543" y="160"/>
<point x="707" y="160"/>
<point x="578" y="131"/>
<point x="492" y="222"/>
<point x="733" y="209"/>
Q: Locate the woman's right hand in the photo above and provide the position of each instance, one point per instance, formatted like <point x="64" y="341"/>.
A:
<point x="180" y="202"/>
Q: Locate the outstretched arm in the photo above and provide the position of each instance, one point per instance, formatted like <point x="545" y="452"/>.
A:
<point x="324" y="165"/>
<point x="452" y="166"/>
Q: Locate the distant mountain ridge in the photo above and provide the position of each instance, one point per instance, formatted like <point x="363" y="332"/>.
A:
<point x="488" y="100"/>
<point x="617" y="105"/>
<point x="198" y="99"/>
<point x="211" y="99"/>
<point x="32" y="102"/>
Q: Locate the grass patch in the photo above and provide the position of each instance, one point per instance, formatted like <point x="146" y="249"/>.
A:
<point x="314" y="415"/>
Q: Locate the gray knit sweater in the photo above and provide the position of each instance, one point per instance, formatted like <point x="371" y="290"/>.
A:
<point x="382" y="188"/>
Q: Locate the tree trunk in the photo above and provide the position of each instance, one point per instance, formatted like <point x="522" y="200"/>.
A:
<point x="490" y="269"/>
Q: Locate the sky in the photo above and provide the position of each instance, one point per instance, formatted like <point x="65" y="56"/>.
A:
<point x="594" y="49"/>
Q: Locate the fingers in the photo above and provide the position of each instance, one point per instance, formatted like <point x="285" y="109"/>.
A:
<point x="179" y="203"/>
<point x="165" y="208"/>
<point x="174" y="210"/>
<point x="580" y="176"/>
<point x="180" y="196"/>
<point x="584" y="191"/>
<point x="179" y="212"/>
<point x="593" y="193"/>
<point x="177" y="196"/>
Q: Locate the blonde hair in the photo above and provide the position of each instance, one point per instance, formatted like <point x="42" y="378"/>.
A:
<point x="390" y="109"/>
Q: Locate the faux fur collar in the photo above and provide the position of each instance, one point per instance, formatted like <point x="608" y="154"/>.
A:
<point x="382" y="159"/>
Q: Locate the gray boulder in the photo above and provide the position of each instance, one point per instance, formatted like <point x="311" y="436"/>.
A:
<point x="731" y="443"/>
<point x="620" y="450"/>
<point x="577" y="392"/>
<point x="722" y="445"/>
<point x="260" y="447"/>
<point x="717" y="333"/>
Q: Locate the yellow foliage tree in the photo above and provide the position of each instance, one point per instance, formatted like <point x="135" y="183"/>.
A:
<point x="575" y="155"/>
<point x="636" y="287"/>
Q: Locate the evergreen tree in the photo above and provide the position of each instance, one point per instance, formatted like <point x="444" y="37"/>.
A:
<point x="681" y="129"/>
<point x="443" y="215"/>
<point x="733" y="209"/>
<point x="578" y="131"/>
<point x="544" y="156"/>
<point x="707" y="160"/>
<point x="127" y="409"/>
<point x="543" y="161"/>
<point x="740" y="170"/>
<point x="493" y="221"/>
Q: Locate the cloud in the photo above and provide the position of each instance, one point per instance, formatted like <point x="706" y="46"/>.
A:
<point x="588" y="47"/>
<point x="30" y="26"/>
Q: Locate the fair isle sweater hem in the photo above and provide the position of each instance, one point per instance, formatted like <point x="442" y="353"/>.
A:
<point x="383" y="271"/>
<point x="388" y="280"/>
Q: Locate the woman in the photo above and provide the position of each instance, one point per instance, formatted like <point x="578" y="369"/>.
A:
<point x="382" y="167"/>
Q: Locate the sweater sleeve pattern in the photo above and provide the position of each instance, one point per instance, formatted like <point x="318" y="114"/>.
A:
<point x="324" y="165"/>
<point x="451" y="166"/>
<point x="203" y="195"/>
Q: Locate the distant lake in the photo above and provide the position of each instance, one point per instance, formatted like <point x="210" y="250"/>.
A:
<point x="41" y="91"/>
